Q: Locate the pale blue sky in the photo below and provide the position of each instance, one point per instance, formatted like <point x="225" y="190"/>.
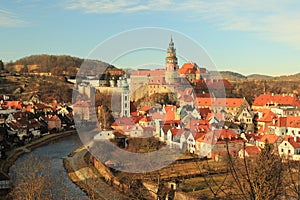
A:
<point x="246" y="36"/>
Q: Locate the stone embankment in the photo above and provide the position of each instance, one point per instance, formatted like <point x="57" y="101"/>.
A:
<point x="98" y="181"/>
<point x="85" y="176"/>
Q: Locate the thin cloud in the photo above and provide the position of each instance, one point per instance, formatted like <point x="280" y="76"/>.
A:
<point x="9" y="19"/>
<point x="116" y="6"/>
<point x="274" y="20"/>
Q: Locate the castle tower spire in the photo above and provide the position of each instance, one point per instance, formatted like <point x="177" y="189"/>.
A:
<point x="171" y="63"/>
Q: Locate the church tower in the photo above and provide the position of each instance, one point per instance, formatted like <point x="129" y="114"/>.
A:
<point x="125" y="98"/>
<point x="171" y="64"/>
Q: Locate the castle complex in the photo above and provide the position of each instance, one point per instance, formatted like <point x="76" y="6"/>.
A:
<point x="170" y="79"/>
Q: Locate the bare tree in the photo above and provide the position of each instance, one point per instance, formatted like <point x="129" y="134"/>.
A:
<point x="255" y="178"/>
<point x="292" y="181"/>
<point x="34" y="179"/>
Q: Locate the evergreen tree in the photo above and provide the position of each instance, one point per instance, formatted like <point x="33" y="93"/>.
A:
<point x="1" y="65"/>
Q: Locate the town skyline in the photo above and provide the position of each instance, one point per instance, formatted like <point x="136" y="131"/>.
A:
<point x="239" y="37"/>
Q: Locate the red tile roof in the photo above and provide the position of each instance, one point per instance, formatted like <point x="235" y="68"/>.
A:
<point x="124" y="121"/>
<point x="252" y="150"/>
<point x="188" y="68"/>
<point x="146" y="119"/>
<point x="264" y="99"/>
<point x="228" y="102"/>
<point x="204" y="111"/>
<point x="170" y="112"/>
<point x="267" y="116"/>
<point x="176" y="131"/>
<point x="270" y="138"/>
<point x="13" y="104"/>
<point x="145" y="108"/>
<point x="293" y="121"/>
<point x="291" y="140"/>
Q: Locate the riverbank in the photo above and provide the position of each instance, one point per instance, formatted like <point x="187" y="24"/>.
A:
<point x="88" y="179"/>
<point x="14" y="154"/>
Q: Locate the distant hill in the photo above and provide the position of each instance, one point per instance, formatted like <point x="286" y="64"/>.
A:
<point x="258" y="76"/>
<point x="294" y="77"/>
<point x="56" y="64"/>
<point x="231" y="75"/>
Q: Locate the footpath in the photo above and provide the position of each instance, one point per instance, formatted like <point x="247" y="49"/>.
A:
<point x="86" y="177"/>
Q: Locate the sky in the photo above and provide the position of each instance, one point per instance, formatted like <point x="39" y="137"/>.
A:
<point x="245" y="36"/>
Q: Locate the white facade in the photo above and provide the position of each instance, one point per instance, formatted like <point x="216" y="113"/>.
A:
<point x="104" y="135"/>
<point x="125" y="99"/>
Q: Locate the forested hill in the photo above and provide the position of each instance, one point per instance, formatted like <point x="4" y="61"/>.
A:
<point x="56" y="64"/>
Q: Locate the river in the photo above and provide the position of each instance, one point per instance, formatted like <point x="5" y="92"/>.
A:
<point x="55" y="152"/>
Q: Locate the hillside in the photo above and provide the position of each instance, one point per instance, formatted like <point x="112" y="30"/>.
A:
<point x="294" y="77"/>
<point x="258" y="76"/>
<point x="232" y="75"/>
<point x="56" y="64"/>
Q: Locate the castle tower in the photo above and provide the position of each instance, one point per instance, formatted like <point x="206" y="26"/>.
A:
<point x="171" y="64"/>
<point x="125" y="99"/>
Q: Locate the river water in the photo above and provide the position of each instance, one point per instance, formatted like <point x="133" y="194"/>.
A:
<point x="55" y="152"/>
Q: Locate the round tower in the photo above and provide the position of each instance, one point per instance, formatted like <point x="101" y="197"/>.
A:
<point x="171" y="64"/>
<point x="125" y="98"/>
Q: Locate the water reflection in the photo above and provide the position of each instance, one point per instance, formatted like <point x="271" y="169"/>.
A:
<point x="52" y="155"/>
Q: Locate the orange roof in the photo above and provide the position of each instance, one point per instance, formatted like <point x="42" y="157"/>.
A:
<point x="28" y="108"/>
<point x="293" y="121"/>
<point x="159" y="115"/>
<point x="146" y="119"/>
<point x="13" y="104"/>
<point x="228" y="102"/>
<point x="145" y="108"/>
<point x="291" y="140"/>
<point x="264" y="99"/>
<point x="124" y="121"/>
<point x="188" y="68"/>
<point x="270" y="138"/>
<point x="252" y="150"/>
<point x="170" y="112"/>
<point x="216" y="136"/>
<point x="176" y="131"/>
<point x="198" y="135"/>
<point x="267" y="115"/>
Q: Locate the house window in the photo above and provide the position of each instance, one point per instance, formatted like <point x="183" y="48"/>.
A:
<point x="289" y="151"/>
<point x="281" y="150"/>
<point x="285" y="144"/>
